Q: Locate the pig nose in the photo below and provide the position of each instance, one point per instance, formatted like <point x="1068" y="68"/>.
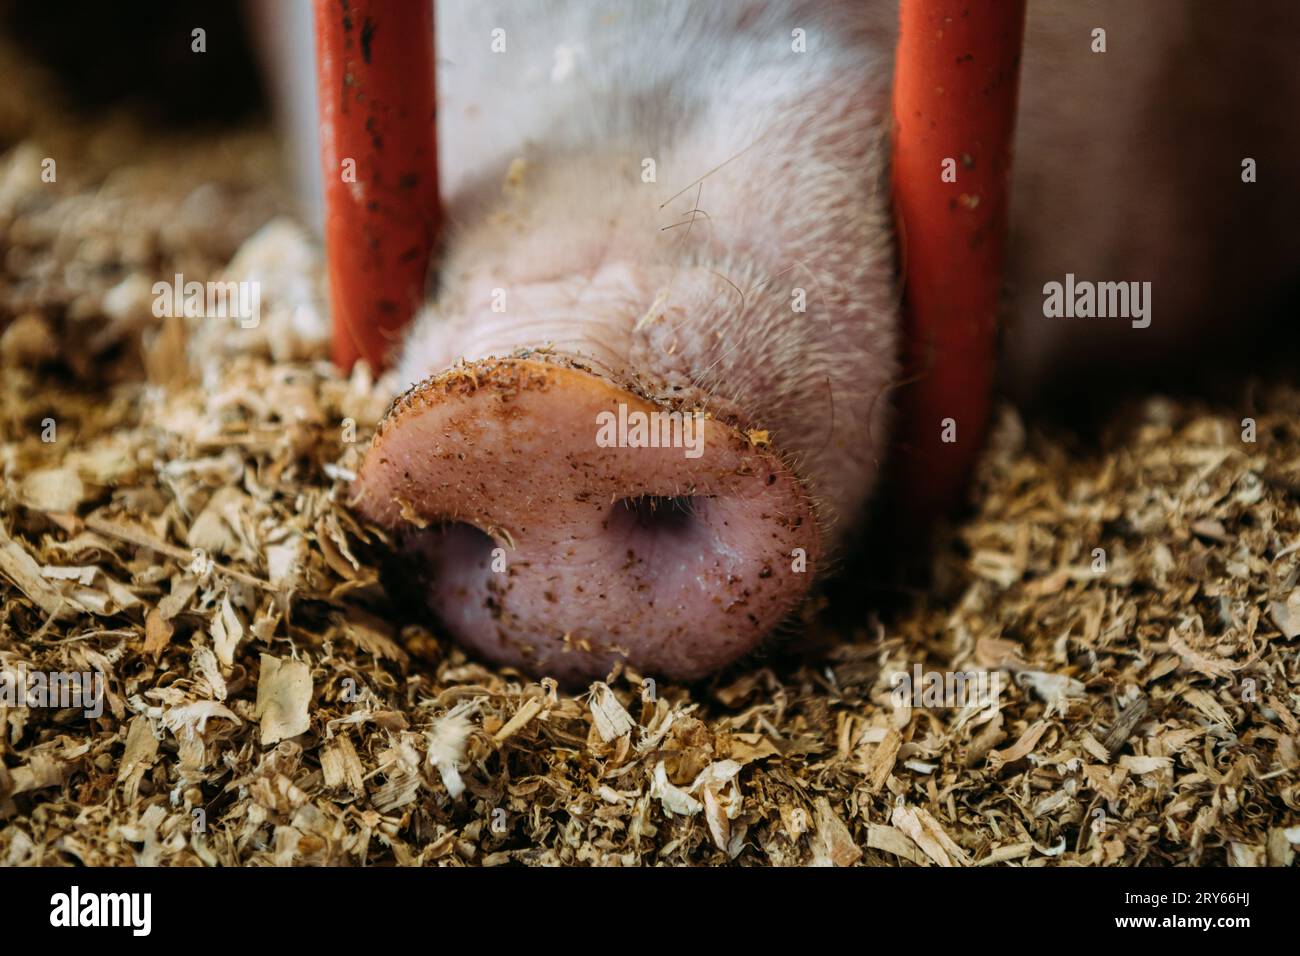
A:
<point x="558" y="522"/>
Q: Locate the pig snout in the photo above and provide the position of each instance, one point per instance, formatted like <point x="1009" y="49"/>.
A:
<point x="557" y="551"/>
<point x="644" y="407"/>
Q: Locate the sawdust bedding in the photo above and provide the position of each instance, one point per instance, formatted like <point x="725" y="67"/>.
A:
<point x="183" y="534"/>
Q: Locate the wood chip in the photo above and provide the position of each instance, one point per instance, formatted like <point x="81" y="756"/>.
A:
<point x="283" y="699"/>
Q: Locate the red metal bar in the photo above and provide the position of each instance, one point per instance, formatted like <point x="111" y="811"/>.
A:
<point x="375" y="85"/>
<point x="955" y="82"/>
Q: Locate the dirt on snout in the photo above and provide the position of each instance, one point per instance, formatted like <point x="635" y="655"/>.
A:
<point x="173" y="525"/>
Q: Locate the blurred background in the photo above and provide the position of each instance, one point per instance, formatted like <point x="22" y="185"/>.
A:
<point x="101" y="56"/>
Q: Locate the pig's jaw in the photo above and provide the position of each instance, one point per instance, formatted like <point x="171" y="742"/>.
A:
<point x="764" y="298"/>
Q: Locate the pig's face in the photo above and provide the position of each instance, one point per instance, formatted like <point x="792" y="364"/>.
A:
<point x="650" y="387"/>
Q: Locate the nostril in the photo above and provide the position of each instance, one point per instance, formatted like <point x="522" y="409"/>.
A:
<point x="669" y="517"/>
<point x="449" y="566"/>
<point x="451" y="546"/>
